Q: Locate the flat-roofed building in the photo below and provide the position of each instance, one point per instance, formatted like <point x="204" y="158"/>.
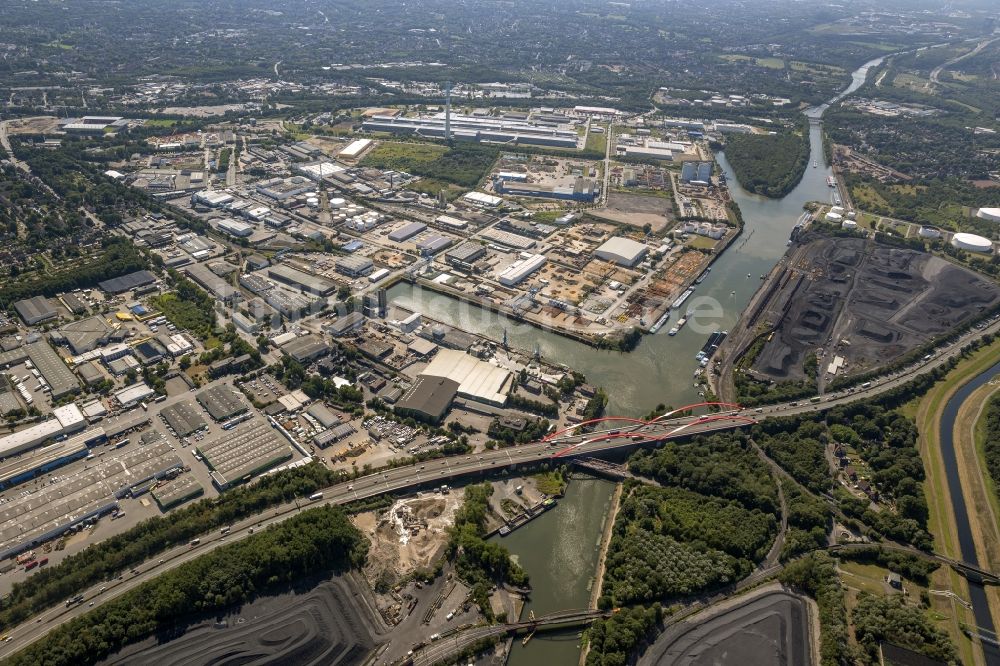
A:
<point x="222" y="402"/>
<point x="238" y="455"/>
<point x="57" y="375"/>
<point x="128" y="282"/>
<point x="184" y="417"/>
<point x="345" y="324"/>
<point x="406" y="232"/>
<point x="65" y="419"/>
<point x="428" y="399"/>
<point x="465" y="255"/>
<point x="306" y="348"/>
<point x="622" y="251"/>
<point x="313" y="284"/>
<point x="478" y="380"/>
<point x="134" y="394"/>
<point x="35" y="310"/>
<point x="353" y="266"/>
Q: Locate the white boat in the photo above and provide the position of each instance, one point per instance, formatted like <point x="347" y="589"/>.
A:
<point x="673" y="331"/>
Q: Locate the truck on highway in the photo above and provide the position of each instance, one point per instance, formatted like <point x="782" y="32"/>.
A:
<point x="225" y="530"/>
<point x="75" y="600"/>
<point x="194" y="542"/>
<point x="316" y="496"/>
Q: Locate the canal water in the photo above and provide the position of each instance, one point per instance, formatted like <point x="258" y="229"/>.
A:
<point x="966" y="541"/>
<point x="559" y="551"/>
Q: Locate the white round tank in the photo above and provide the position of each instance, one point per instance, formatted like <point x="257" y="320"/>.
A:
<point x="337" y="202"/>
<point x="991" y="214"/>
<point x="834" y="217"/>
<point x="930" y="232"/>
<point x="972" y="243"/>
<point x="849" y="224"/>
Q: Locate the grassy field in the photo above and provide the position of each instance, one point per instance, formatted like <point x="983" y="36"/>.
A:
<point x="405" y="153"/>
<point x="432" y="187"/>
<point x="597" y="141"/>
<point x="927" y="413"/>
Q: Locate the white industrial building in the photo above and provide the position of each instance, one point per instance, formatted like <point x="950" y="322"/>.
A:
<point x="521" y="269"/>
<point x="235" y="228"/>
<point x="482" y="199"/>
<point x="477" y="380"/>
<point x="355" y="148"/>
<point x="622" y="251"/>
<point x="134" y="394"/>
<point x="66" y="419"/>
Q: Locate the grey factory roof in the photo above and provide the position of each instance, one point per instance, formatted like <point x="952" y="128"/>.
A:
<point x="86" y="334"/>
<point x="124" y="283"/>
<point x="238" y="455"/>
<point x="59" y="377"/>
<point x="177" y="491"/>
<point x="323" y="414"/>
<point x="434" y="244"/>
<point x="334" y="434"/>
<point x="26" y="521"/>
<point x="346" y="323"/>
<point x="184" y="417"/>
<point x="407" y="231"/>
<point x="314" y="284"/>
<point x="429" y="396"/>
<point x="306" y="348"/>
<point x="222" y="402"/>
<point x="467" y="252"/>
<point x="35" y="310"/>
<point x="74" y="303"/>
<point x="89" y="372"/>
<point x="8" y="403"/>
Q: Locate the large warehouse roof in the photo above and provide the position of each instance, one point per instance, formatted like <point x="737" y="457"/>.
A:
<point x="477" y="379"/>
<point x="59" y="377"/>
<point x="35" y="310"/>
<point x="126" y="282"/>
<point x="429" y="396"/>
<point x="621" y="250"/>
<point x="222" y="402"/>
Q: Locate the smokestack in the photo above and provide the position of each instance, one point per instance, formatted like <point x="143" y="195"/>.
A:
<point x="447" y="111"/>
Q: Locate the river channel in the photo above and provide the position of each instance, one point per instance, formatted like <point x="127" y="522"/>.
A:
<point x="661" y="368"/>
<point x="559" y="551"/>
<point x="966" y="542"/>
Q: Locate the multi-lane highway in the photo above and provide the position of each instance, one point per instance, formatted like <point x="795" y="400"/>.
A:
<point x="435" y="472"/>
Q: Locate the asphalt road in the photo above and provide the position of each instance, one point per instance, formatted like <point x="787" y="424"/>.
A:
<point x="435" y="472"/>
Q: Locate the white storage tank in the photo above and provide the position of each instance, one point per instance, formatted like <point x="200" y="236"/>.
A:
<point x="834" y="217"/>
<point x="972" y="243"/>
<point x="929" y="232"/>
<point x="991" y="214"/>
<point x="337" y="202"/>
<point x="849" y="224"/>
